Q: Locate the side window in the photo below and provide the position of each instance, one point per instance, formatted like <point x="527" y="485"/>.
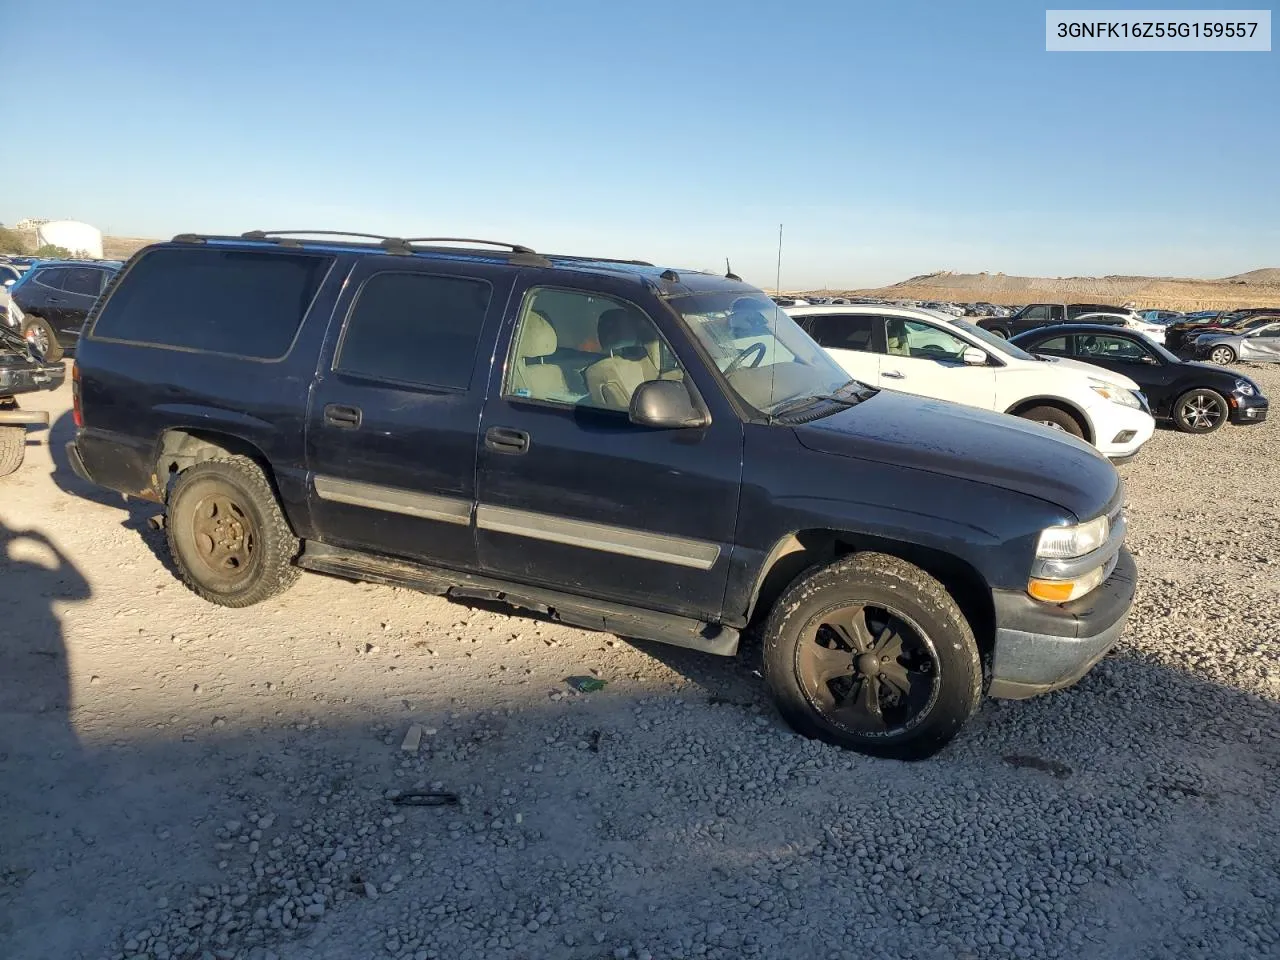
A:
<point x="244" y="303"/>
<point x="1271" y="331"/>
<point x="585" y="349"/>
<point x="850" y="332"/>
<point x="83" y="280"/>
<point x="1057" y="314"/>
<point x="1110" y="348"/>
<point x="51" y="277"/>
<point x="1057" y="347"/>
<point x="415" y="328"/>
<point x="912" y="338"/>
<point x="1040" y="313"/>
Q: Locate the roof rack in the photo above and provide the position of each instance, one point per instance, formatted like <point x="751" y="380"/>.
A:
<point x="399" y="246"/>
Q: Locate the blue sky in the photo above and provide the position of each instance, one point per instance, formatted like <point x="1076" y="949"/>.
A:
<point x="891" y="138"/>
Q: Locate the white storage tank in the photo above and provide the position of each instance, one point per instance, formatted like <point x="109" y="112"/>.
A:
<point x="80" y="238"/>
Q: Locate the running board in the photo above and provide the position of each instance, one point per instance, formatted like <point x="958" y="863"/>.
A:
<point x="616" y="618"/>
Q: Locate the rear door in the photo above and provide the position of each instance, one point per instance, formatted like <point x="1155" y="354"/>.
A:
<point x="854" y="340"/>
<point x="391" y="431"/>
<point x="80" y="289"/>
<point x="925" y="359"/>
<point x="575" y="497"/>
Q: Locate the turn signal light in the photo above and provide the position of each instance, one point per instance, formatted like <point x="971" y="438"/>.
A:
<point x="1061" y="591"/>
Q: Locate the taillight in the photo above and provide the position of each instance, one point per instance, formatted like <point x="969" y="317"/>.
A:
<point x="77" y="412"/>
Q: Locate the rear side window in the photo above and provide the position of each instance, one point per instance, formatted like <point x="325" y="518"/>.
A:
<point x="83" y="280"/>
<point x="51" y="277"/>
<point x="416" y="329"/>
<point x="854" y="332"/>
<point x="238" y="302"/>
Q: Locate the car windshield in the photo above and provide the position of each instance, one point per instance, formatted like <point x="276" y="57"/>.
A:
<point x="766" y="358"/>
<point x="991" y="340"/>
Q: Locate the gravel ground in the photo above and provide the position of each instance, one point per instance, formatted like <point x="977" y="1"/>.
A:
<point x="179" y="780"/>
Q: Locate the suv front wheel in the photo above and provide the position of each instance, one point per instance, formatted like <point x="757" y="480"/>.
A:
<point x="228" y="538"/>
<point x="872" y="654"/>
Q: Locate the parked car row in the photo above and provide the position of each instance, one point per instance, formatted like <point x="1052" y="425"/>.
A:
<point x="661" y="453"/>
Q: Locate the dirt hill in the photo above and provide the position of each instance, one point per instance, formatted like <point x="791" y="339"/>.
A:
<point x="1257" y="288"/>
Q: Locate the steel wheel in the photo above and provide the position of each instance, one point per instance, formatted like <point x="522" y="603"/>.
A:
<point x="224" y="538"/>
<point x="1200" y="411"/>
<point x="867" y="669"/>
<point x="1222" y="355"/>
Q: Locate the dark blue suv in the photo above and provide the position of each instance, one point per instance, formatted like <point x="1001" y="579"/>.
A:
<point x="54" y="297"/>
<point x="654" y="452"/>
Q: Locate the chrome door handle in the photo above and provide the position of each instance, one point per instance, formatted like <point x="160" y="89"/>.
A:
<point x="893" y="375"/>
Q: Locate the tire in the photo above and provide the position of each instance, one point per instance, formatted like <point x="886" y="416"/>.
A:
<point x="1000" y="332"/>
<point x="1055" y="418"/>
<point x="227" y="535"/>
<point x="13" y="447"/>
<point x="40" y="326"/>
<point x="1200" y="411"/>
<point x="1222" y="356"/>
<point x="893" y="600"/>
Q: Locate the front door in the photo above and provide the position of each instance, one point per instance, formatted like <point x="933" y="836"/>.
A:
<point x="1129" y="355"/>
<point x="575" y="497"/>
<point x="391" y="431"/>
<point x="1262" y="344"/>
<point x="926" y="360"/>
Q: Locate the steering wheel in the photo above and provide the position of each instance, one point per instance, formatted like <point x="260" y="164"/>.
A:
<point x="758" y="348"/>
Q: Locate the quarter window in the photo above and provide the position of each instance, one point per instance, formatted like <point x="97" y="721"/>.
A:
<point x="415" y="328"/>
<point x="585" y="350"/>
<point x="238" y="302"/>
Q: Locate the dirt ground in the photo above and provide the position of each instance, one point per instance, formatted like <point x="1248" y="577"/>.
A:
<point x="178" y="779"/>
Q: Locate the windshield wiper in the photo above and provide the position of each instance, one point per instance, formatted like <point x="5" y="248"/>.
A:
<point x="844" y="399"/>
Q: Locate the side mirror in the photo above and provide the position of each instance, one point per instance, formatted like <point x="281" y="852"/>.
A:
<point x="665" y="404"/>
<point x="974" y="357"/>
<point x="34" y="349"/>
<point x="10" y="283"/>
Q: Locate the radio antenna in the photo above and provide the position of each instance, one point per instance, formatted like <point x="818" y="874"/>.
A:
<point x="777" y="290"/>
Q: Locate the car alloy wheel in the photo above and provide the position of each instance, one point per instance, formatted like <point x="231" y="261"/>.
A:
<point x="1201" y="411"/>
<point x="37" y="334"/>
<point x="1222" y="355"/>
<point x="867" y="669"/>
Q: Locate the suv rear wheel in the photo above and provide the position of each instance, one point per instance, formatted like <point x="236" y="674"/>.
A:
<point x="872" y="654"/>
<point x="227" y="536"/>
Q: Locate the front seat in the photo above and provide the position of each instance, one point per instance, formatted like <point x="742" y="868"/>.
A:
<point x="627" y="339"/>
<point x="531" y="375"/>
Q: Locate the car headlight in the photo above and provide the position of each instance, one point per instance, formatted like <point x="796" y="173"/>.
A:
<point x="1115" y="394"/>
<point x="1245" y="388"/>
<point x="1066" y="543"/>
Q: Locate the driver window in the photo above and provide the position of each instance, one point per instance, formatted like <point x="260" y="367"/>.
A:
<point x="1036" y="313"/>
<point x="1111" y="348"/>
<point x="1271" y="331"/>
<point x="912" y="338"/>
<point x="586" y="350"/>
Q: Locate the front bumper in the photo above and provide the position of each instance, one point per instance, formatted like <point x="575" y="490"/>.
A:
<point x="1247" y="409"/>
<point x="1043" y="647"/>
<point x="1121" y="431"/>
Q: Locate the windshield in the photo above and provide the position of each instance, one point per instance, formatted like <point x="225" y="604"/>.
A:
<point x="991" y="340"/>
<point x="765" y="356"/>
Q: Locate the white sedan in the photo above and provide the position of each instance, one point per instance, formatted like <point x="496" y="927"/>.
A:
<point x="926" y="353"/>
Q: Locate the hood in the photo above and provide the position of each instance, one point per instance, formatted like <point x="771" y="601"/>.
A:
<point x="953" y="440"/>
<point x="1097" y="373"/>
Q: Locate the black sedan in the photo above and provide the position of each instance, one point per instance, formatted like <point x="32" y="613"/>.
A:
<point x="1196" y="397"/>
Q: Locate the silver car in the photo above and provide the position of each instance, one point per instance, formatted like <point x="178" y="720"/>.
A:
<point x="1261" y="345"/>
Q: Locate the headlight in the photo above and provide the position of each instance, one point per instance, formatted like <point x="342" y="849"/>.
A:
<point x="1245" y="388"/>
<point x="1115" y="394"/>
<point x="1064" y="543"/>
